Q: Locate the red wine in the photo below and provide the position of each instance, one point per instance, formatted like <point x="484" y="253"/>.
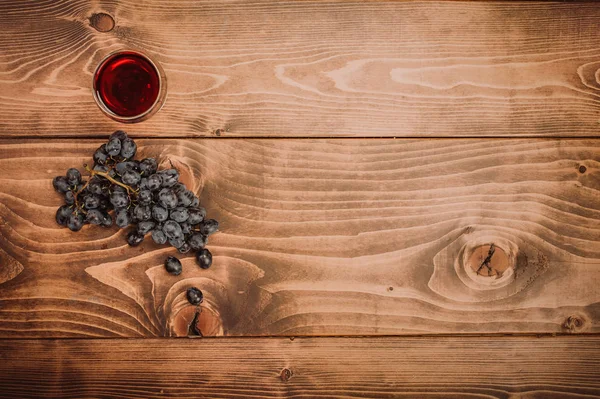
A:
<point x="127" y="83"/>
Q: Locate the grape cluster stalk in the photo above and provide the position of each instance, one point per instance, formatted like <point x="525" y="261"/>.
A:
<point x="134" y="194"/>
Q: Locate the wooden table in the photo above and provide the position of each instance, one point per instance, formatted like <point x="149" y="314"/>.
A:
<point x="361" y="156"/>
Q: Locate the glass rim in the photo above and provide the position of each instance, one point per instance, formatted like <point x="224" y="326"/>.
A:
<point x="156" y="105"/>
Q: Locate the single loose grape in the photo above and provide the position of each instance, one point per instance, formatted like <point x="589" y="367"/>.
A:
<point x="204" y="258"/>
<point x="173" y="265"/>
<point x="194" y="296"/>
<point x="134" y="238"/>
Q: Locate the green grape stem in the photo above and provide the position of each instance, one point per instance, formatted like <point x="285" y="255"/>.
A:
<point x="76" y="196"/>
<point x="102" y="174"/>
<point x="107" y="177"/>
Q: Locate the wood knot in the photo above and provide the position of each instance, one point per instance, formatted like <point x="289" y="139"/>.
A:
<point x="489" y="261"/>
<point x="102" y="22"/>
<point x="575" y="324"/>
<point x="201" y="321"/>
<point x="285" y="374"/>
<point x="582" y="169"/>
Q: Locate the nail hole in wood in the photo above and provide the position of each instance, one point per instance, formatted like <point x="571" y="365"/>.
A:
<point x="285" y="374"/>
<point x="102" y="22"/>
<point x="582" y="169"/>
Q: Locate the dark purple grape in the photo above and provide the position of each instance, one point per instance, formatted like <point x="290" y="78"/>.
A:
<point x="148" y="166"/>
<point x="145" y="197"/>
<point x="73" y="177"/>
<point x="101" y="156"/>
<point x="194" y="296"/>
<point x="60" y="184"/>
<point x="105" y="203"/>
<point x="159" y="213"/>
<point x="94" y="216"/>
<point x="142" y="212"/>
<point x="186" y="228"/>
<point x="167" y="198"/>
<point x="118" y="134"/>
<point x="122" y="218"/>
<point x="178" y="187"/>
<point x="131" y="178"/>
<point x="209" y="227"/>
<point x="173" y="265"/>
<point x="134" y="238"/>
<point x="107" y="220"/>
<point x="154" y="182"/>
<point x="91" y="201"/>
<point x="128" y="148"/>
<point x="115" y="188"/>
<point x="172" y="229"/>
<point x="75" y="222"/>
<point x="145" y="227"/>
<point x="113" y="147"/>
<point x="119" y="199"/>
<point x="197" y="241"/>
<point x="100" y="168"/>
<point x="179" y="215"/>
<point x="62" y="214"/>
<point x="195" y="202"/>
<point x="124" y="166"/>
<point x="70" y="197"/>
<point x="177" y="242"/>
<point x="204" y="258"/>
<point x="96" y="187"/>
<point x="158" y="236"/>
<point x="170" y="177"/>
<point x="184" y="248"/>
<point x="185" y="198"/>
<point x="196" y="215"/>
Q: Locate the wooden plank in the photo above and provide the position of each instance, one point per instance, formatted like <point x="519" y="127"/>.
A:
<point x="325" y="68"/>
<point x="441" y="367"/>
<point x="319" y="237"/>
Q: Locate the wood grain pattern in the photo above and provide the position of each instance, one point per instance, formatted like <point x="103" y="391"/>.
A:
<point x="337" y="68"/>
<point x="319" y="238"/>
<point x="442" y="367"/>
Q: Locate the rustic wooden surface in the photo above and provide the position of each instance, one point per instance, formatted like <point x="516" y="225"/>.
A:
<point x="339" y="68"/>
<point x="428" y="367"/>
<point x="319" y="237"/>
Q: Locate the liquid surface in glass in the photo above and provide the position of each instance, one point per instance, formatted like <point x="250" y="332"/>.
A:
<point x="128" y="84"/>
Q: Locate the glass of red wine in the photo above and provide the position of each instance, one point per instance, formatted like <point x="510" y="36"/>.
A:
<point x="129" y="87"/>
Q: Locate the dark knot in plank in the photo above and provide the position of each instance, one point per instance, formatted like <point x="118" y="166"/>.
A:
<point x="489" y="261"/>
<point x="102" y="22"/>
<point x="285" y="374"/>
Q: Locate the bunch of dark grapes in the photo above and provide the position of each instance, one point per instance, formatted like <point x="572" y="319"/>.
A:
<point x="129" y="192"/>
